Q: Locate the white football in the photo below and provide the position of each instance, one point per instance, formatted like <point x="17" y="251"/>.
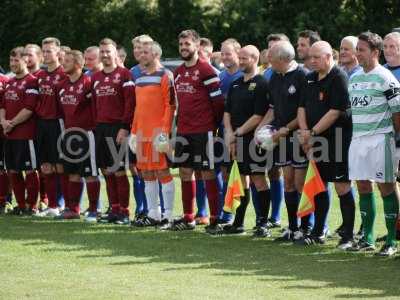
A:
<point x="263" y="137"/>
<point x="132" y="142"/>
<point x="161" y="143"/>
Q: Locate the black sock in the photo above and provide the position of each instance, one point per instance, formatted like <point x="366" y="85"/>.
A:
<point x="292" y="203"/>
<point x="348" y="209"/>
<point x="241" y="210"/>
<point x="321" y="213"/>
<point x="265" y="201"/>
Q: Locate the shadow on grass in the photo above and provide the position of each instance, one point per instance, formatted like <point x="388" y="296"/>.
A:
<point x="235" y="256"/>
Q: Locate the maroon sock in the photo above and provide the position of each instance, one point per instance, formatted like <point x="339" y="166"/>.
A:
<point x="32" y="189"/>
<point x="42" y="190"/>
<point x="74" y="192"/>
<point x="111" y="187"/>
<point x="123" y="194"/>
<point x="64" y="181"/>
<point x="93" y="192"/>
<point x="4" y="187"/>
<point x="212" y="195"/>
<point x="188" y="194"/>
<point x="51" y="189"/>
<point x="18" y="186"/>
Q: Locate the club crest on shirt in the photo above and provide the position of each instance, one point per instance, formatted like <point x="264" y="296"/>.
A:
<point x="71" y="89"/>
<point x="106" y="79"/>
<point x="117" y="78"/>
<point x="56" y="78"/>
<point x="187" y="74"/>
<point x="292" y="89"/>
<point x="321" y="96"/>
<point x="196" y="75"/>
<point x="80" y="89"/>
<point x="252" y="86"/>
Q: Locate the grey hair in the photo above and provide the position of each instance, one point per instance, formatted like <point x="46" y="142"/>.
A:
<point x="155" y="47"/>
<point x="353" y="40"/>
<point x="393" y="35"/>
<point x="283" y="50"/>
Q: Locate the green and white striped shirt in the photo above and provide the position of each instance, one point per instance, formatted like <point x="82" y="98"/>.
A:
<point x="374" y="97"/>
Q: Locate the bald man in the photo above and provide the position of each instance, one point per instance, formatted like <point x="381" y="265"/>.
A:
<point x="325" y="135"/>
<point x="245" y="106"/>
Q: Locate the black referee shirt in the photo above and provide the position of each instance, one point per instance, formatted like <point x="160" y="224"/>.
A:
<point x="246" y="99"/>
<point x="285" y="92"/>
<point x="322" y="95"/>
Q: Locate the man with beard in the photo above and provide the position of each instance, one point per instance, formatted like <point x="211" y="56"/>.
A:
<point x="246" y="104"/>
<point x="19" y="126"/>
<point x="114" y="100"/>
<point x="199" y="114"/>
<point x="35" y="59"/>
<point x="305" y="40"/>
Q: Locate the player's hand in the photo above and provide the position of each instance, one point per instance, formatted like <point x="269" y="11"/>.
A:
<point x="304" y="136"/>
<point x="230" y="138"/>
<point x="121" y="136"/>
<point x="7" y="126"/>
<point x="232" y="150"/>
<point x="238" y="132"/>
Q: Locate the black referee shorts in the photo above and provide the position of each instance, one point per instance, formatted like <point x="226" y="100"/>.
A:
<point x="289" y="153"/>
<point x="252" y="160"/>
<point x="20" y="155"/>
<point x="333" y="166"/>
<point x="79" y="153"/>
<point x="48" y="135"/>
<point x="110" y="155"/>
<point x="195" y="151"/>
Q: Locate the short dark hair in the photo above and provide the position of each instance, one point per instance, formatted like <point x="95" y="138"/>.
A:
<point x="277" y="37"/>
<point x="17" y="51"/>
<point x="51" y="40"/>
<point x="189" y="33"/>
<point x="373" y="40"/>
<point x="108" y="41"/>
<point x="312" y="36"/>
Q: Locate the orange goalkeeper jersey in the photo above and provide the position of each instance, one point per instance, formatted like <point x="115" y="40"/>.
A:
<point x="155" y="103"/>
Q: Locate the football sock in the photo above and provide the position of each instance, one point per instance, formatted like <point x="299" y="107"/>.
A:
<point x="391" y="209"/>
<point x="122" y="184"/>
<point x="32" y="189"/>
<point x="292" y="203"/>
<point x="151" y="190"/>
<point x="188" y="194"/>
<point x="348" y="209"/>
<point x="276" y="199"/>
<point x="368" y="213"/>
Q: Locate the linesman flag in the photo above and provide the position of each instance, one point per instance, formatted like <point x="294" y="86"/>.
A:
<point x="234" y="190"/>
<point x="313" y="185"/>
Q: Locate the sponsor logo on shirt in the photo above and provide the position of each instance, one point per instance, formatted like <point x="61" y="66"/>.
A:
<point x="252" y="86"/>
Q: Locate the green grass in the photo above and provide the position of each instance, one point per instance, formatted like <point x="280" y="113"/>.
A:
<point x="45" y="259"/>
